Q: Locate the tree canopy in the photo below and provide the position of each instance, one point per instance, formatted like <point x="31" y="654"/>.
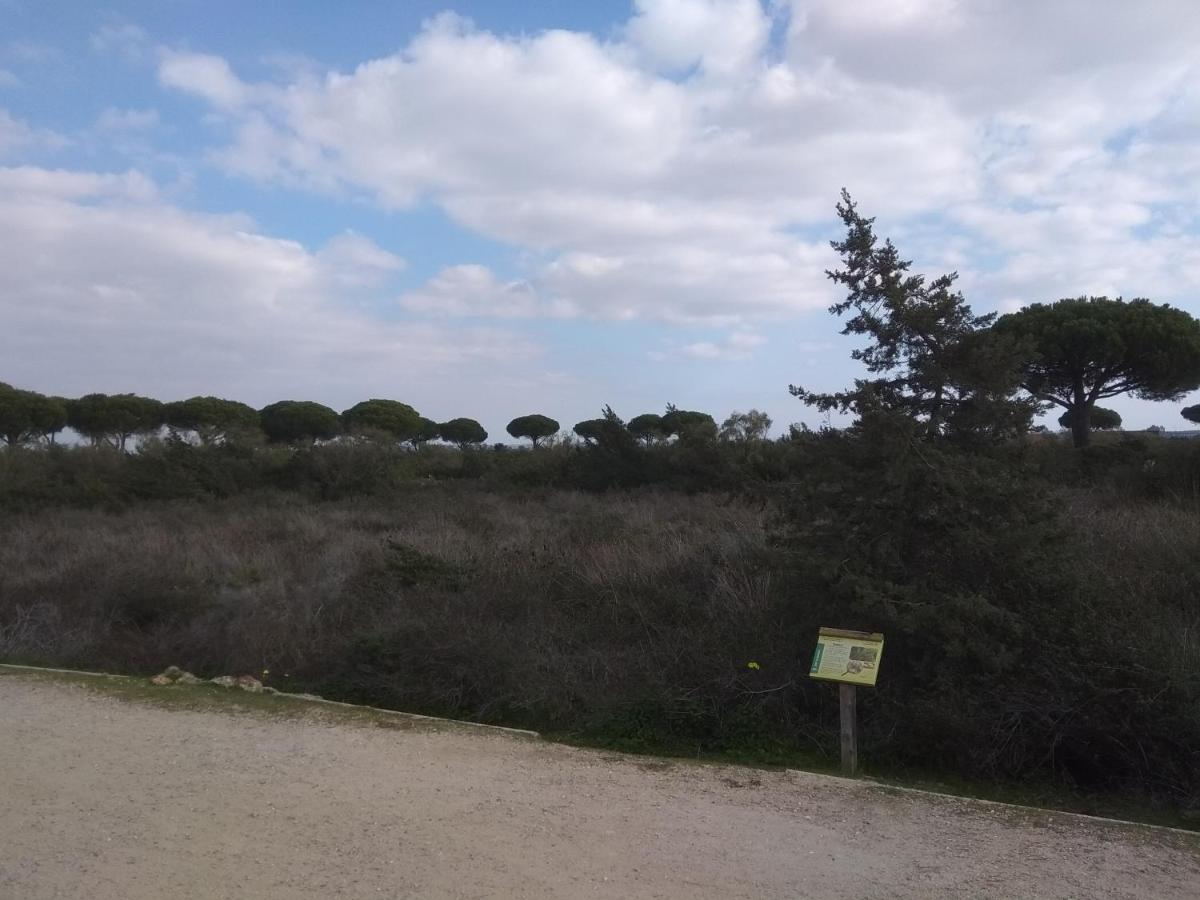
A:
<point x="535" y="427"/>
<point x="1191" y="413"/>
<point x="462" y="432"/>
<point x="28" y="415"/>
<point x="1086" y="349"/>
<point x="427" y="430"/>
<point x="748" y="426"/>
<point x="647" y="427"/>
<point x="296" y="421"/>
<point x="1101" y="419"/>
<point x="211" y="418"/>
<point x="930" y="357"/>
<point x="689" y="425"/>
<point x="114" y="417"/>
<point x="399" y="420"/>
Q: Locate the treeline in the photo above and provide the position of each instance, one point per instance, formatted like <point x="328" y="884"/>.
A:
<point x="28" y="418"/>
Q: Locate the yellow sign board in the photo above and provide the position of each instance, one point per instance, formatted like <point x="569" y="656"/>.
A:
<point x="851" y="657"/>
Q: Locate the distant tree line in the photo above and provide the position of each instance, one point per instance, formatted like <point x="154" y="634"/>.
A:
<point x="28" y="417"/>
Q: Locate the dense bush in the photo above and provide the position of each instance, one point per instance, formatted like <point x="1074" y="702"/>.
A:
<point x="633" y="617"/>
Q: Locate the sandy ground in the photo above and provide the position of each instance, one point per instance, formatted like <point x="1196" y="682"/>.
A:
<point x="107" y="799"/>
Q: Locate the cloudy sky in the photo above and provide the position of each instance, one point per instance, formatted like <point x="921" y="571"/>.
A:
<point x="504" y="207"/>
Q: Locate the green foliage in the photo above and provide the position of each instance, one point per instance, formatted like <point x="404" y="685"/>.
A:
<point x="398" y="420"/>
<point x="931" y="358"/>
<point x="427" y="430"/>
<point x="689" y="426"/>
<point x="115" y="417"/>
<point x="212" y="419"/>
<point x="647" y="427"/>
<point x="1101" y="419"/>
<point x="1191" y="413"/>
<point x="299" y="421"/>
<point x="1088" y="348"/>
<point x="27" y="415"/>
<point x="747" y="426"/>
<point x="591" y="430"/>
<point x="535" y="427"/>
<point x="463" y="432"/>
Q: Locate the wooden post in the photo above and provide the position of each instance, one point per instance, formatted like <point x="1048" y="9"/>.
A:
<point x="849" y="730"/>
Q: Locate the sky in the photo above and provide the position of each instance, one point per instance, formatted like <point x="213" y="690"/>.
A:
<point x="497" y="208"/>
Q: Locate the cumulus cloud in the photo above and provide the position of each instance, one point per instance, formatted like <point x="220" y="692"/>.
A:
<point x="685" y="170"/>
<point x="104" y="286"/>
<point x="681" y="171"/>
<point x="17" y="137"/>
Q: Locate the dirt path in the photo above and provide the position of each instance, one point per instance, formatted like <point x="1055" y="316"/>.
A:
<point x="105" y="799"/>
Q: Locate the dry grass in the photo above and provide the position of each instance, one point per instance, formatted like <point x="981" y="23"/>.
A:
<point x="628" y="615"/>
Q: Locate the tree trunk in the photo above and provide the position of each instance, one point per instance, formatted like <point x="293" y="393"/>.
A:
<point x="1081" y="417"/>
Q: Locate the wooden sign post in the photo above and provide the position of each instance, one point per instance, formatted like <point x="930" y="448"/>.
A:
<point x="850" y="658"/>
<point x="849" y="712"/>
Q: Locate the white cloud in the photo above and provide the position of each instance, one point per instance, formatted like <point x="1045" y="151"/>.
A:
<point x="685" y="170"/>
<point x="103" y="286"/>
<point x="8" y="79"/>
<point x="738" y="345"/>
<point x="472" y="290"/>
<point x="202" y="74"/>
<point x="719" y="35"/>
<point x="17" y="137"/>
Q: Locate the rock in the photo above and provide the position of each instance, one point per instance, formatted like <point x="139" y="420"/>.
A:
<point x="225" y="681"/>
<point x="188" y="678"/>
<point x="172" y="672"/>
<point x="249" y="683"/>
<point x="160" y="680"/>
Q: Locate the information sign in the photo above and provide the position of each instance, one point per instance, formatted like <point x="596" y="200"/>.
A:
<point x="850" y="657"/>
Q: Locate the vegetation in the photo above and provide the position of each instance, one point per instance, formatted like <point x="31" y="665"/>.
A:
<point x="1089" y="348"/>
<point x="1101" y="419"/>
<point x="658" y="584"/>
<point x="299" y="421"/>
<point x="212" y="419"/>
<point x="28" y="416"/>
<point x="397" y="420"/>
<point x="462" y="432"/>
<point x="115" y="418"/>
<point x="1191" y="413"/>
<point x="534" y="427"/>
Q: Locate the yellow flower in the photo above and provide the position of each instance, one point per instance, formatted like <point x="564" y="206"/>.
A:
<point x="753" y="665"/>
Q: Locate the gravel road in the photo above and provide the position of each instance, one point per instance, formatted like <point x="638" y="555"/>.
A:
<point x="107" y="799"/>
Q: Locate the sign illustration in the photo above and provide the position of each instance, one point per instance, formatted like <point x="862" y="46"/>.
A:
<point x="850" y="657"/>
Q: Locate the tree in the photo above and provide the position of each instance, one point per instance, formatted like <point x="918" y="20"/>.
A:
<point x="1088" y="348"/>
<point x="47" y="416"/>
<point x="689" y="425"/>
<point x="607" y="432"/>
<point x="115" y="417"/>
<point x="932" y="359"/>
<point x="427" y="430"/>
<point x="296" y="421"/>
<point x="212" y="419"/>
<point x="399" y="420"/>
<point x="462" y="432"/>
<point x="534" y="427"/>
<point x="747" y="426"/>
<point x="591" y="430"/>
<point x="1191" y="413"/>
<point x="648" y="427"/>
<point x="27" y="415"/>
<point x="1101" y="419"/>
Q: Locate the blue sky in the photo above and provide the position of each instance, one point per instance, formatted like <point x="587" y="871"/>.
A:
<point x="490" y="209"/>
